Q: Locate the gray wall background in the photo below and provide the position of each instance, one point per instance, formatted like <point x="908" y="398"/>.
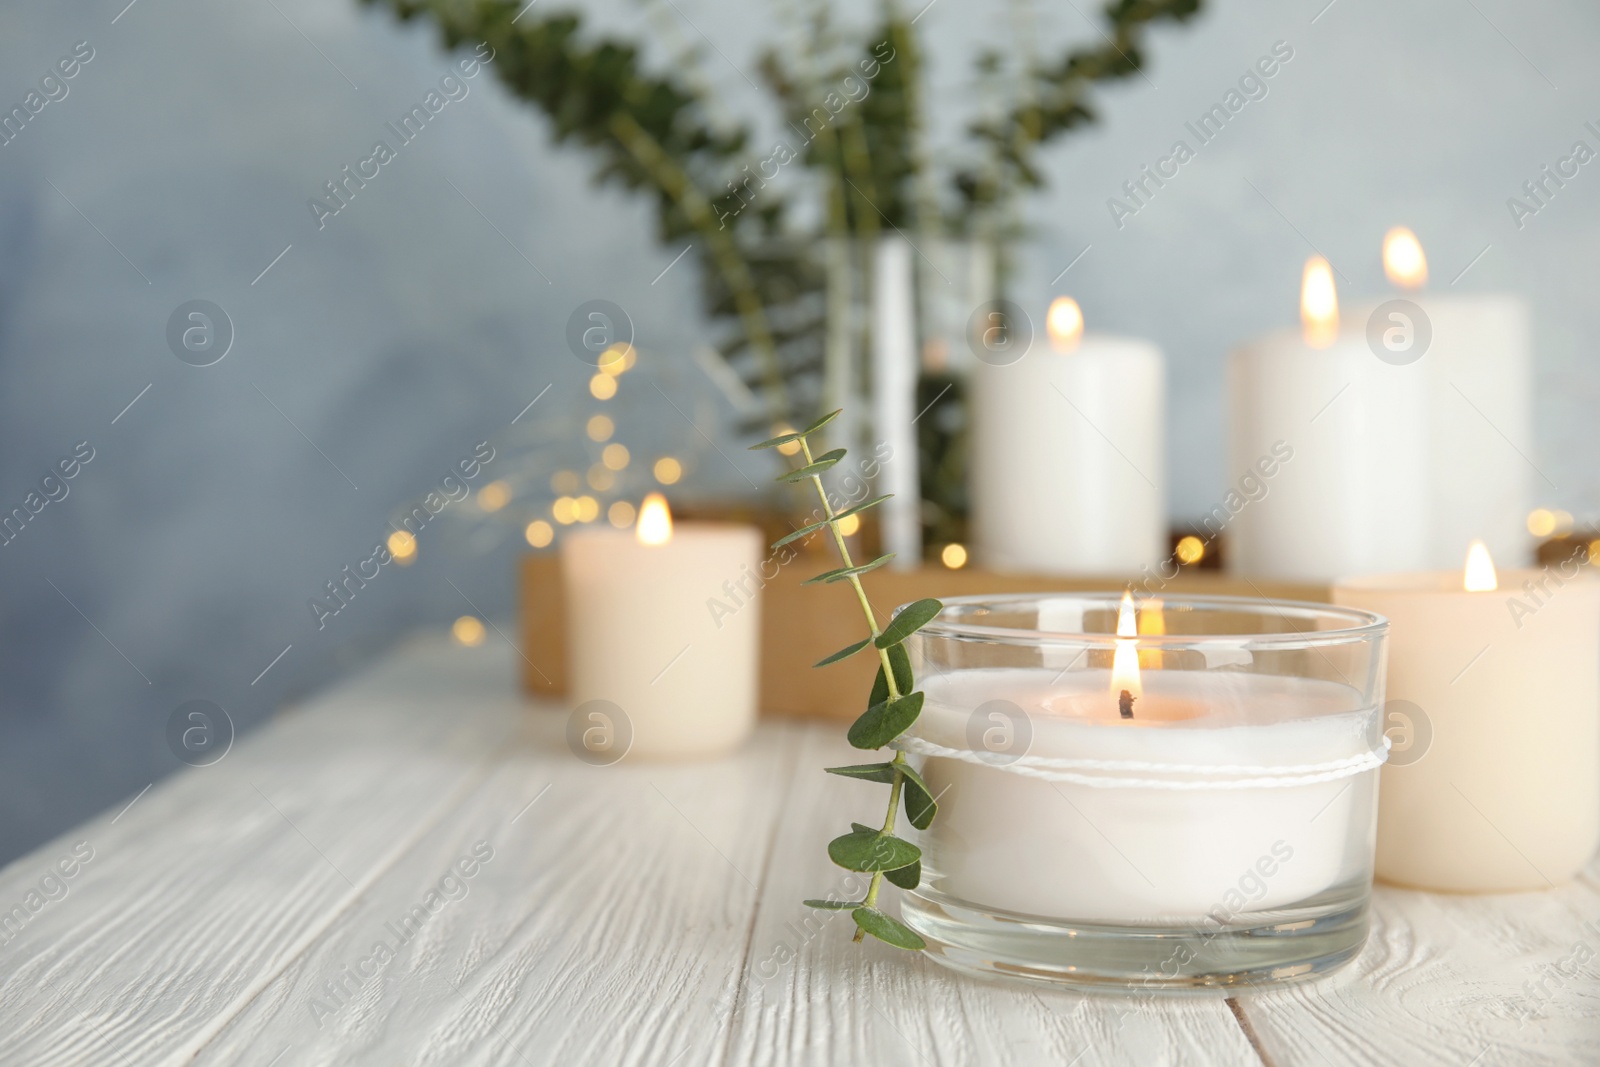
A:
<point x="413" y="326"/>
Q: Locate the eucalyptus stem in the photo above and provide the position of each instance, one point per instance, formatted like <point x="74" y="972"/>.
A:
<point x="883" y="656"/>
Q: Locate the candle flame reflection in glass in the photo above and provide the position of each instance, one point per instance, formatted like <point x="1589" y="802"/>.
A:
<point x="655" y="521"/>
<point x="1403" y="260"/>
<point x="1479" y="576"/>
<point x="1064" y="323"/>
<point x="1125" y="660"/>
<point x="1319" y="304"/>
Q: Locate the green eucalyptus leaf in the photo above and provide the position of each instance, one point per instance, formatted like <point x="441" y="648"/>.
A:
<point x="884" y="722"/>
<point x="820" y="423"/>
<point x="872" y="850"/>
<point x="887" y="930"/>
<point x="859" y="508"/>
<point x="920" y="805"/>
<point x="906" y="877"/>
<point x="774" y="442"/>
<point x="804" y="531"/>
<point x="841" y="573"/>
<point x="862" y="828"/>
<point x="817" y="466"/>
<point x="909" y="620"/>
<point x="900" y="660"/>
<point x="868" y="772"/>
<point x="844" y="653"/>
<point x="833" y="905"/>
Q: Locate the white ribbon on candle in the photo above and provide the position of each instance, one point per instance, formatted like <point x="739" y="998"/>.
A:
<point x="1239" y="776"/>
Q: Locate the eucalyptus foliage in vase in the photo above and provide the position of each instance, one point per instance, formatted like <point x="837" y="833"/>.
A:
<point x="778" y="276"/>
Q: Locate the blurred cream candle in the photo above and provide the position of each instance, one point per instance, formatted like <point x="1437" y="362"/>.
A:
<point x="664" y="623"/>
<point x="1478" y="363"/>
<point x="1069" y="454"/>
<point x="1354" y="495"/>
<point x="1494" y="783"/>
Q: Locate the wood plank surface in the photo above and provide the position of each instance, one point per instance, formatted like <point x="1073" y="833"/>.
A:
<point x="220" y="876"/>
<point x="606" y="928"/>
<point x="533" y="910"/>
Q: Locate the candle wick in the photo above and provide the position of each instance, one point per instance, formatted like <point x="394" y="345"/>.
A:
<point x="1125" y="704"/>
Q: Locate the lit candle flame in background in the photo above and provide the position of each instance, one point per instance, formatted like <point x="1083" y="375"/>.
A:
<point x="1403" y="260"/>
<point x="655" y="521"/>
<point x="1064" y="324"/>
<point x="1319" y="304"/>
<point x="1125" y="660"/>
<point x="1479" y="576"/>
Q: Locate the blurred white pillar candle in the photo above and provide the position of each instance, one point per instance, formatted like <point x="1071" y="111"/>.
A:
<point x="894" y="395"/>
<point x="1495" y="781"/>
<point x="664" y="623"/>
<point x="1225" y="792"/>
<point x="1069" y="454"/>
<point x="1477" y="354"/>
<point x="1351" y="493"/>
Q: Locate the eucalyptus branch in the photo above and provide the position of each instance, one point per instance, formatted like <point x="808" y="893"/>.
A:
<point x="671" y="180"/>
<point x="892" y="708"/>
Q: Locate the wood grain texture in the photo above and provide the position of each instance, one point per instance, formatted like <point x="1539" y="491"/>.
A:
<point x="222" y="875"/>
<point x="1452" y="979"/>
<point x="639" y="914"/>
<point x="607" y="928"/>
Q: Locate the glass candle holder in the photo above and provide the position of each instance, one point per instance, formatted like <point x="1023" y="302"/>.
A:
<point x="1170" y="794"/>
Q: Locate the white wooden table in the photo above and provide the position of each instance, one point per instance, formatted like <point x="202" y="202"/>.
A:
<point x="635" y="915"/>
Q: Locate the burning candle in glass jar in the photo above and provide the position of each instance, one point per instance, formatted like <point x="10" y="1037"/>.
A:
<point x="654" y="629"/>
<point x="1132" y="793"/>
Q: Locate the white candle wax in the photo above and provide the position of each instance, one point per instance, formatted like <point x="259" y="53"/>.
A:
<point x="1070" y="850"/>
<point x="647" y="630"/>
<point x="1354" y="494"/>
<point x="1068" y="459"/>
<point x="1480" y="423"/>
<point x="894" y="397"/>
<point x="1502" y="790"/>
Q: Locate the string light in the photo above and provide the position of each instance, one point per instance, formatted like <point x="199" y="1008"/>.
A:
<point x="600" y="428"/>
<point x="586" y="508"/>
<point x="620" y="514"/>
<point x="600" y="479"/>
<point x="403" y="547"/>
<point x="468" y="631"/>
<point x="668" y="470"/>
<point x="539" y="533"/>
<point x="494" y="496"/>
<point x="1190" y="549"/>
<point x="615" y="456"/>
<point x="564" y="510"/>
<point x="602" y="386"/>
<point x="849" y="524"/>
<point x="954" y="556"/>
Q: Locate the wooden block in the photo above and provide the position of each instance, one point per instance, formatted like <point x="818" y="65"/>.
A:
<point x="803" y="624"/>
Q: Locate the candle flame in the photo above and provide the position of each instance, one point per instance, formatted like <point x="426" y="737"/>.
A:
<point x="1403" y="260"/>
<point x="1319" y="304"/>
<point x="1125" y="660"/>
<point x="655" y="521"/>
<point x="1479" y="576"/>
<point x="1064" y="323"/>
